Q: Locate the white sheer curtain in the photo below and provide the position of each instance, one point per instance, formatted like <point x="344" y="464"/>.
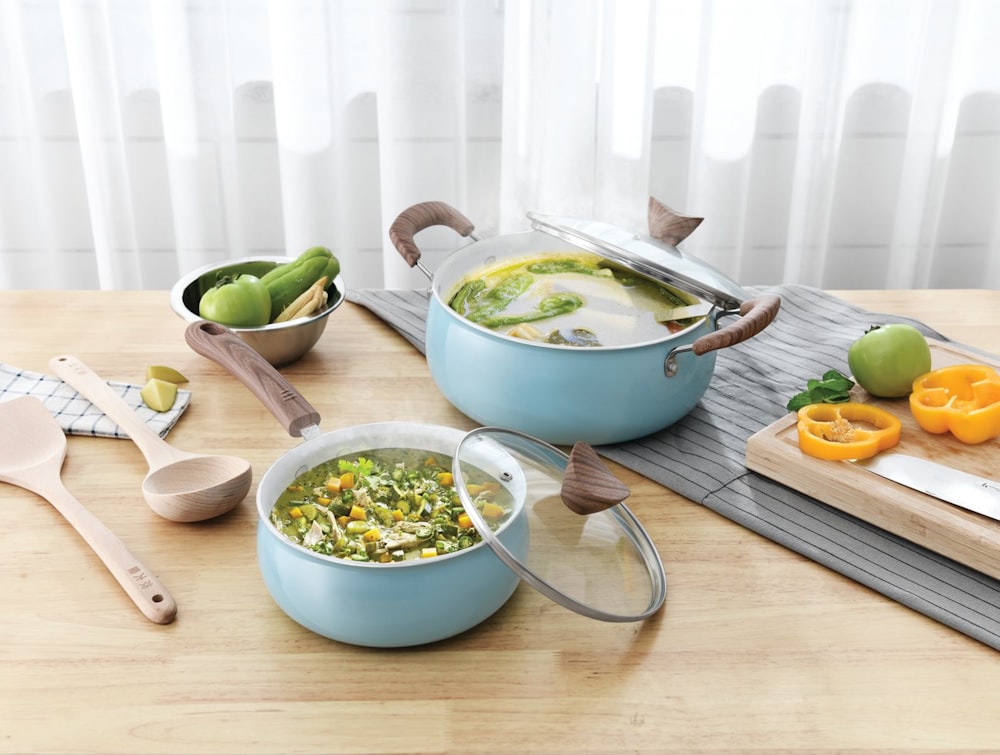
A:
<point x="837" y="143"/>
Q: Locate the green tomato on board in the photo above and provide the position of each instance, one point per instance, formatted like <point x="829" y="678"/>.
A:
<point x="241" y="302"/>
<point x="888" y="358"/>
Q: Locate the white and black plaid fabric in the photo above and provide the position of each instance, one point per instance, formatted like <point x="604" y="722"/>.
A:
<point x="75" y="414"/>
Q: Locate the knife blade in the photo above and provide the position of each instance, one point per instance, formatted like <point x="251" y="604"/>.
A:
<point x="968" y="491"/>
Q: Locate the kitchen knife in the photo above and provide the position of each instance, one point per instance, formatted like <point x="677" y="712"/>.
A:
<point x="959" y="488"/>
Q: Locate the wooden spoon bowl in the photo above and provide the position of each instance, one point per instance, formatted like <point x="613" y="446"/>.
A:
<point x="180" y="485"/>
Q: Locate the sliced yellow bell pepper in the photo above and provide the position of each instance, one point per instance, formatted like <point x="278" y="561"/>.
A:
<point x="846" y="431"/>
<point x="492" y="511"/>
<point x="963" y="399"/>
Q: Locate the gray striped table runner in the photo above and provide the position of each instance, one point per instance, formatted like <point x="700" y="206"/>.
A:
<point x="702" y="456"/>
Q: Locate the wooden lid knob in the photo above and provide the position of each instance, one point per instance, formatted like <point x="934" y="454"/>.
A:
<point x="588" y="485"/>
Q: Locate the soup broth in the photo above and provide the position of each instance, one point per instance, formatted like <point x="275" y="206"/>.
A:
<point x="387" y="505"/>
<point x="574" y="299"/>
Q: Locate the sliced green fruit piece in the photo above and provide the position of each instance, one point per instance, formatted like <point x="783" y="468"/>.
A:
<point x="161" y="372"/>
<point x="159" y="395"/>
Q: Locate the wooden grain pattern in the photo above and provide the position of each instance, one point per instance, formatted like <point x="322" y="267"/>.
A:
<point x="420" y="216"/>
<point x="755" y="315"/>
<point x="961" y="535"/>
<point x="32" y="451"/>
<point x="756" y="649"/>
<point x="588" y="485"/>
<point x="180" y="485"/>
<point x="668" y="225"/>
<point x="225" y="348"/>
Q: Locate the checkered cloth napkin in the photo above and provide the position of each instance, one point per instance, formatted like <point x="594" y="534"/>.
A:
<point x="75" y="414"/>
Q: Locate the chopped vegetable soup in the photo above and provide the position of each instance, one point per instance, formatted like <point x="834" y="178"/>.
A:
<point x="387" y="505"/>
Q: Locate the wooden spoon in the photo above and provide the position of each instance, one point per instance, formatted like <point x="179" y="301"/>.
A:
<point x="32" y="451"/>
<point x="180" y="486"/>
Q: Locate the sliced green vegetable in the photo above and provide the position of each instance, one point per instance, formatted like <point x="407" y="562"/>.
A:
<point x="551" y="306"/>
<point x="562" y="265"/>
<point x="501" y="295"/>
<point x="467" y="294"/>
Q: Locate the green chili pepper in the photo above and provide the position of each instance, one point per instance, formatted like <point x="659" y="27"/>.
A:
<point x="550" y="306"/>
<point x="287" y="282"/>
<point x="562" y="265"/>
<point x="467" y="294"/>
<point x="241" y="302"/>
<point x="501" y="295"/>
<point x="283" y="269"/>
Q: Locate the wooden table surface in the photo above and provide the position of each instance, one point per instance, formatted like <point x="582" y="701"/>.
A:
<point x="756" y="648"/>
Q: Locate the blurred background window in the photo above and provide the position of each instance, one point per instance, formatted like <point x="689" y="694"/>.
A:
<point x="832" y="143"/>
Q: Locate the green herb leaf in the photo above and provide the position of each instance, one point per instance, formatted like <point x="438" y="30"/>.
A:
<point x="362" y="467"/>
<point x="799" y="400"/>
<point x="833" y="388"/>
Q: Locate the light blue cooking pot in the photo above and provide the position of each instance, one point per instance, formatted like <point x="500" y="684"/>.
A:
<point x="384" y="605"/>
<point x="564" y="394"/>
<point x="375" y="605"/>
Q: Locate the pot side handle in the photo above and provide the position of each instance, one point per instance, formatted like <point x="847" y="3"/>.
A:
<point x="671" y="227"/>
<point x="755" y="315"/>
<point x="222" y="346"/>
<point x="420" y="216"/>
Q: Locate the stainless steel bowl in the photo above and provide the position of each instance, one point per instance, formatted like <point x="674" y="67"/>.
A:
<point x="279" y="343"/>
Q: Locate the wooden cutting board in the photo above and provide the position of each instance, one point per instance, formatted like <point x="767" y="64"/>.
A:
<point x="968" y="538"/>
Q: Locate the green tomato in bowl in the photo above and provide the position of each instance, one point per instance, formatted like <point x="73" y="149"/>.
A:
<point x="242" y="301"/>
<point x="888" y="358"/>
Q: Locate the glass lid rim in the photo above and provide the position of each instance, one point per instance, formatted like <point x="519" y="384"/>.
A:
<point x="645" y="547"/>
<point x="551" y="225"/>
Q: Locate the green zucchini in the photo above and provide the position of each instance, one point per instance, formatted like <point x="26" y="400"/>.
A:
<point x="287" y="282"/>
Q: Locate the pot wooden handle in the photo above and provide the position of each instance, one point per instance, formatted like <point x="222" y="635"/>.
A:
<point x="755" y="315"/>
<point x="222" y="346"/>
<point x="669" y="226"/>
<point x="420" y="216"/>
<point x="588" y="485"/>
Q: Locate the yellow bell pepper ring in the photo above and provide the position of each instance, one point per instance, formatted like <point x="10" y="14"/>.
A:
<point x="963" y="399"/>
<point x="846" y="431"/>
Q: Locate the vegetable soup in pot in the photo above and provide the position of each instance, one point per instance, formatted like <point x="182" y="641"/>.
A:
<point x="573" y="299"/>
<point x="387" y="505"/>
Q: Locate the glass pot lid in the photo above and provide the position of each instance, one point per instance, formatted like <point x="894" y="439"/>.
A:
<point x="647" y="256"/>
<point x="600" y="564"/>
